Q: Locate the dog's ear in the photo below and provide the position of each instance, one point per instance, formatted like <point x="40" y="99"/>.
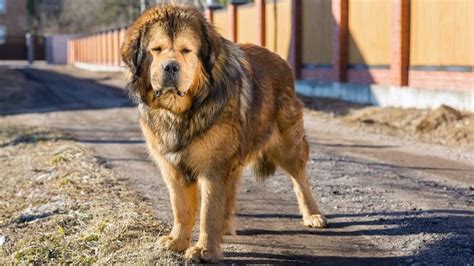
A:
<point x="211" y="46"/>
<point x="132" y="51"/>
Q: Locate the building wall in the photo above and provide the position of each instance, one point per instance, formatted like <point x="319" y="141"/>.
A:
<point x="15" y="19"/>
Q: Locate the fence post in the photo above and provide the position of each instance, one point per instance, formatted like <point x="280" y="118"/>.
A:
<point x="210" y="15"/>
<point x="400" y="42"/>
<point x="69" y="57"/>
<point x="106" y="48"/>
<point x="89" y="49"/>
<point x="83" y="50"/>
<point x="86" y="54"/>
<point x="233" y="22"/>
<point x="93" y="49"/>
<point x="98" y="59"/>
<point x="79" y="45"/>
<point x="98" y="49"/>
<point x="110" y="48"/>
<point x="105" y="35"/>
<point x="79" y="50"/>
<point x="296" y="31"/>
<point x="103" y="45"/>
<point x="261" y="22"/>
<point x="116" y="49"/>
<point x="69" y="52"/>
<point x="340" y="13"/>
<point x="121" y="40"/>
<point x="72" y="50"/>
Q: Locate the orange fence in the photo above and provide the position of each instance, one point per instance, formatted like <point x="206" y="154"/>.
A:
<point x="102" y="48"/>
<point x="422" y="43"/>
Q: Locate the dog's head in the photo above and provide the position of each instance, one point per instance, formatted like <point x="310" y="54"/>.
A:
<point x="170" y="51"/>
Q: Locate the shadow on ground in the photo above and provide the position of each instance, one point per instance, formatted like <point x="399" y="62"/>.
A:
<point x="450" y="222"/>
<point x="50" y="91"/>
<point x="331" y="106"/>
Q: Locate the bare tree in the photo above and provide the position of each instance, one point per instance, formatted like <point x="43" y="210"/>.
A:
<point x="197" y="3"/>
<point x="81" y="16"/>
<point x="87" y="16"/>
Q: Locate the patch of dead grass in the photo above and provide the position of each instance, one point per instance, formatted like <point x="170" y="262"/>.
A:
<point x="58" y="205"/>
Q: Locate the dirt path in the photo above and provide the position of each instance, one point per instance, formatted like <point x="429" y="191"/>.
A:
<point x="387" y="200"/>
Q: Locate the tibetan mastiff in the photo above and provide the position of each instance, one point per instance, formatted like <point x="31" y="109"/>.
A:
<point x="209" y="107"/>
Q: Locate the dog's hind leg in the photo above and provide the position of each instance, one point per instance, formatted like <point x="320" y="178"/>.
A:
<point x="185" y="203"/>
<point x="291" y="154"/>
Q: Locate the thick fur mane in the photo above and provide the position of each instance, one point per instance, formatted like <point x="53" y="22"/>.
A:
<point x="230" y="106"/>
<point x="172" y="19"/>
<point x="220" y="77"/>
<point x="176" y="130"/>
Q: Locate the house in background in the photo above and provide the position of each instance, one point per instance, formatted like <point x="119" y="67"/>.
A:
<point x="13" y="27"/>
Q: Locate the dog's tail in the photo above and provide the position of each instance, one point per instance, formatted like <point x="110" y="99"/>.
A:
<point x="263" y="167"/>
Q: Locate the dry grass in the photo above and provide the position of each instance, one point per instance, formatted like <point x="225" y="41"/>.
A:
<point x="58" y="205"/>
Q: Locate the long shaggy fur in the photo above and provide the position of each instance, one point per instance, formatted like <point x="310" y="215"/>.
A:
<point x="241" y="108"/>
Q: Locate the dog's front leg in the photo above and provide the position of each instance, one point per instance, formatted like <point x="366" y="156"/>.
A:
<point x="216" y="191"/>
<point x="184" y="202"/>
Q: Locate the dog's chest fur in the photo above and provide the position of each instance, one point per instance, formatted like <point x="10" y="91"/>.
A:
<point x="165" y="126"/>
<point x="171" y="136"/>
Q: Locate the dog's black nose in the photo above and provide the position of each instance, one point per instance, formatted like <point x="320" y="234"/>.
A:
<point x="171" y="67"/>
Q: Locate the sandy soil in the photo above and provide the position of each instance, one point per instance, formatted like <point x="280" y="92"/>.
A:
<point x="390" y="199"/>
<point x="443" y="125"/>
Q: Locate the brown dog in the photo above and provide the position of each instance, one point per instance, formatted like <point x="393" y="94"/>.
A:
<point x="208" y="107"/>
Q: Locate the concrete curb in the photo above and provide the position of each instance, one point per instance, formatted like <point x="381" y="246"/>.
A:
<point x="99" y="68"/>
<point x="406" y="97"/>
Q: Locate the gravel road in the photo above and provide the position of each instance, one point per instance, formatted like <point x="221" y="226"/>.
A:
<point x="388" y="201"/>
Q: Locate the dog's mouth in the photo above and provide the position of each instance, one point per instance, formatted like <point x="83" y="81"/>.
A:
<point x="168" y="88"/>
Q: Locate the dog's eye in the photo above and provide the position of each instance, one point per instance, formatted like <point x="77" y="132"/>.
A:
<point x="157" y="49"/>
<point x="185" y="51"/>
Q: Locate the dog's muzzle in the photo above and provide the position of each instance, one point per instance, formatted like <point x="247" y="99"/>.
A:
<point x="170" y="78"/>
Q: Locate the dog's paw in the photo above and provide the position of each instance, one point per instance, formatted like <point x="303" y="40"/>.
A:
<point x="198" y="254"/>
<point x="172" y="243"/>
<point x="315" y="220"/>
